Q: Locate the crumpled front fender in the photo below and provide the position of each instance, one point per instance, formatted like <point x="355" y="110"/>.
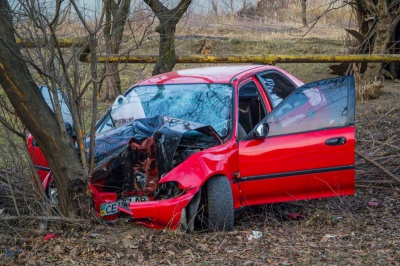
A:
<point x="160" y="214"/>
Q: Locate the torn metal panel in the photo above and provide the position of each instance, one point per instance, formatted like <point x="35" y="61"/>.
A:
<point x="133" y="157"/>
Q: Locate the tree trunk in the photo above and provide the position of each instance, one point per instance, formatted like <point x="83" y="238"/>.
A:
<point x="113" y="81"/>
<point x="168" y="20"/>
<point x="382" y="37"/>
<point x="361" y="14"/>
<point x="377" y="21"/>
<point x="167" y="56"/>
<point x="304" y="12"/>
<point x="395" y="49"/>
<point x="215" y="8"/>
<point x="31" y="108"/>
<point x="116" y="15"/>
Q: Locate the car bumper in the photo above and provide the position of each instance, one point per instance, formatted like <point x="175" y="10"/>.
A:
<point x="160" y="213"/>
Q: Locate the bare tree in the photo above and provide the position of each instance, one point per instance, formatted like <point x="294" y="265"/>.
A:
<point x="47" y="127"/>
<point x="42" y="23"/>
<point x="377" y="22"/>
<point x="93" y="30"/>
<point x="116" y="14"/>
<point x="168" y="18"/>
<point x="304" y="12"/>
<point x="215" y="8"/>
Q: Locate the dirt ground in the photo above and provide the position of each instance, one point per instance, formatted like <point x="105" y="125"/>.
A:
<point x="358" y="230"/>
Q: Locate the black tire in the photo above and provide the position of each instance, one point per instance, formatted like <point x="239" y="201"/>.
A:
<point x="52" y="193"/>
<point x="52" y="196"/>
<point x="219" y="204"/>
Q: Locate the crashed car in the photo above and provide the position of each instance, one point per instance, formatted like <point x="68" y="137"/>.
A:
<point x="192" y="147"/>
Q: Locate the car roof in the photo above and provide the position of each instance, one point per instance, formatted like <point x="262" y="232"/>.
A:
<point x="217" y="74"/>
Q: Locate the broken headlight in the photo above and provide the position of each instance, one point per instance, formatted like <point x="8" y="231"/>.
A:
<point x="167" y="190"/>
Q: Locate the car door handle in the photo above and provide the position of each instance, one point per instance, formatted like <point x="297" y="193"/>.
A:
<point x="336" y="141"/>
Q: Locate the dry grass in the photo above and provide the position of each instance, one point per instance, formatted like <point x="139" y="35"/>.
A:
<point x="370" y="90"/>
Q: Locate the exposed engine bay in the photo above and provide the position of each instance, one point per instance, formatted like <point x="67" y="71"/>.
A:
<point x="131" y="159"/>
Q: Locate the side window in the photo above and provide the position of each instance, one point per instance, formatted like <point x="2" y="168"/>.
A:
<point x="277" y="86"/>
<point x="319" y="105"/>
<point x="251" y="106"/>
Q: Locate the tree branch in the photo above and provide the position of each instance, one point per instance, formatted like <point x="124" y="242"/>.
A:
<point x="57" y="13"/>
<point x="157" y="7"/>
<point x="379" y="166"/>
<point x="181" y="8"/>
<point x="9" y="127"/>
<point x="44" y="218"/>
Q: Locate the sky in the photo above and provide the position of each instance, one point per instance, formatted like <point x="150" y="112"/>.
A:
<point x="198" y="5"/>
<point x="91" y="8"/>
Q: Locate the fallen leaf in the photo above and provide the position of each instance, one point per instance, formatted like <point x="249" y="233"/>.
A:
<point x="127" y="243"/>
<point x="326" y="238"/>
<point x="187" y="251"/>
<point x="57" y="249"/>
<point x="170" y="253"/>
<point x="73" y="252"/>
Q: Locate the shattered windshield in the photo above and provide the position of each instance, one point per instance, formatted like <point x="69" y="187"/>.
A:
<point x="207" y="104"/>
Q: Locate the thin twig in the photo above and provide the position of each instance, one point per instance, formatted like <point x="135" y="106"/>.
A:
<point x="374" y="187"/>
<point x="384" y="143"/>
<point x="23" y="199"/>
<point x="12" y="229"/>
<point x="12" y="193"/>
<point x="379" y="166"/>
<point x="391" y="110"/>
<point x="377" y="182"/>
<point x="46" y="218"/>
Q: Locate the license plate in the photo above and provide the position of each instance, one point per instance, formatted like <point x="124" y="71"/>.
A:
<point x="112" y="207"/>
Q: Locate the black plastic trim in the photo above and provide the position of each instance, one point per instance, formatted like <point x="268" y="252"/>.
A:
<point x="294" y="173"/>
<point x="42" y="168"/>
<point x="351" y="104"/>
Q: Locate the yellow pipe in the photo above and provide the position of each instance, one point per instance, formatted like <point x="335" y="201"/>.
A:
<point x="258" y="59"/>
<point x="236" y="59"/>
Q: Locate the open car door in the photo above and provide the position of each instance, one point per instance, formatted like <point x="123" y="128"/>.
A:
<point x="308" y="151"/>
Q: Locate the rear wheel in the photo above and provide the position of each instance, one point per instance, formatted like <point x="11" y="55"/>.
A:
<point x="219" y="204"/>
<point x="52" y="193"/>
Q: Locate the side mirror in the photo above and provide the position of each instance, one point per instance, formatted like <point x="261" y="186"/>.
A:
<point x="261" y="131"/>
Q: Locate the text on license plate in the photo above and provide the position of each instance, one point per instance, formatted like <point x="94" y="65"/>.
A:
<point x="112" y="207"/>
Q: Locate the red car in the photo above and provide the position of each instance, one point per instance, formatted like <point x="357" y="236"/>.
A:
<point x="191" y="147"/>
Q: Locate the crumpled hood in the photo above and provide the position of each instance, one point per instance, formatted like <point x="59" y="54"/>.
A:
<point x="160" y="137"/>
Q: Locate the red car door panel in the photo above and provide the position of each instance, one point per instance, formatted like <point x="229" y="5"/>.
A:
<point x="309" y="151"/>
<point x="338" y="160"/>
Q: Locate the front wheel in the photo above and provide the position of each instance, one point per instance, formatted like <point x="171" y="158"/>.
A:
<point x="219" y="204"/>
